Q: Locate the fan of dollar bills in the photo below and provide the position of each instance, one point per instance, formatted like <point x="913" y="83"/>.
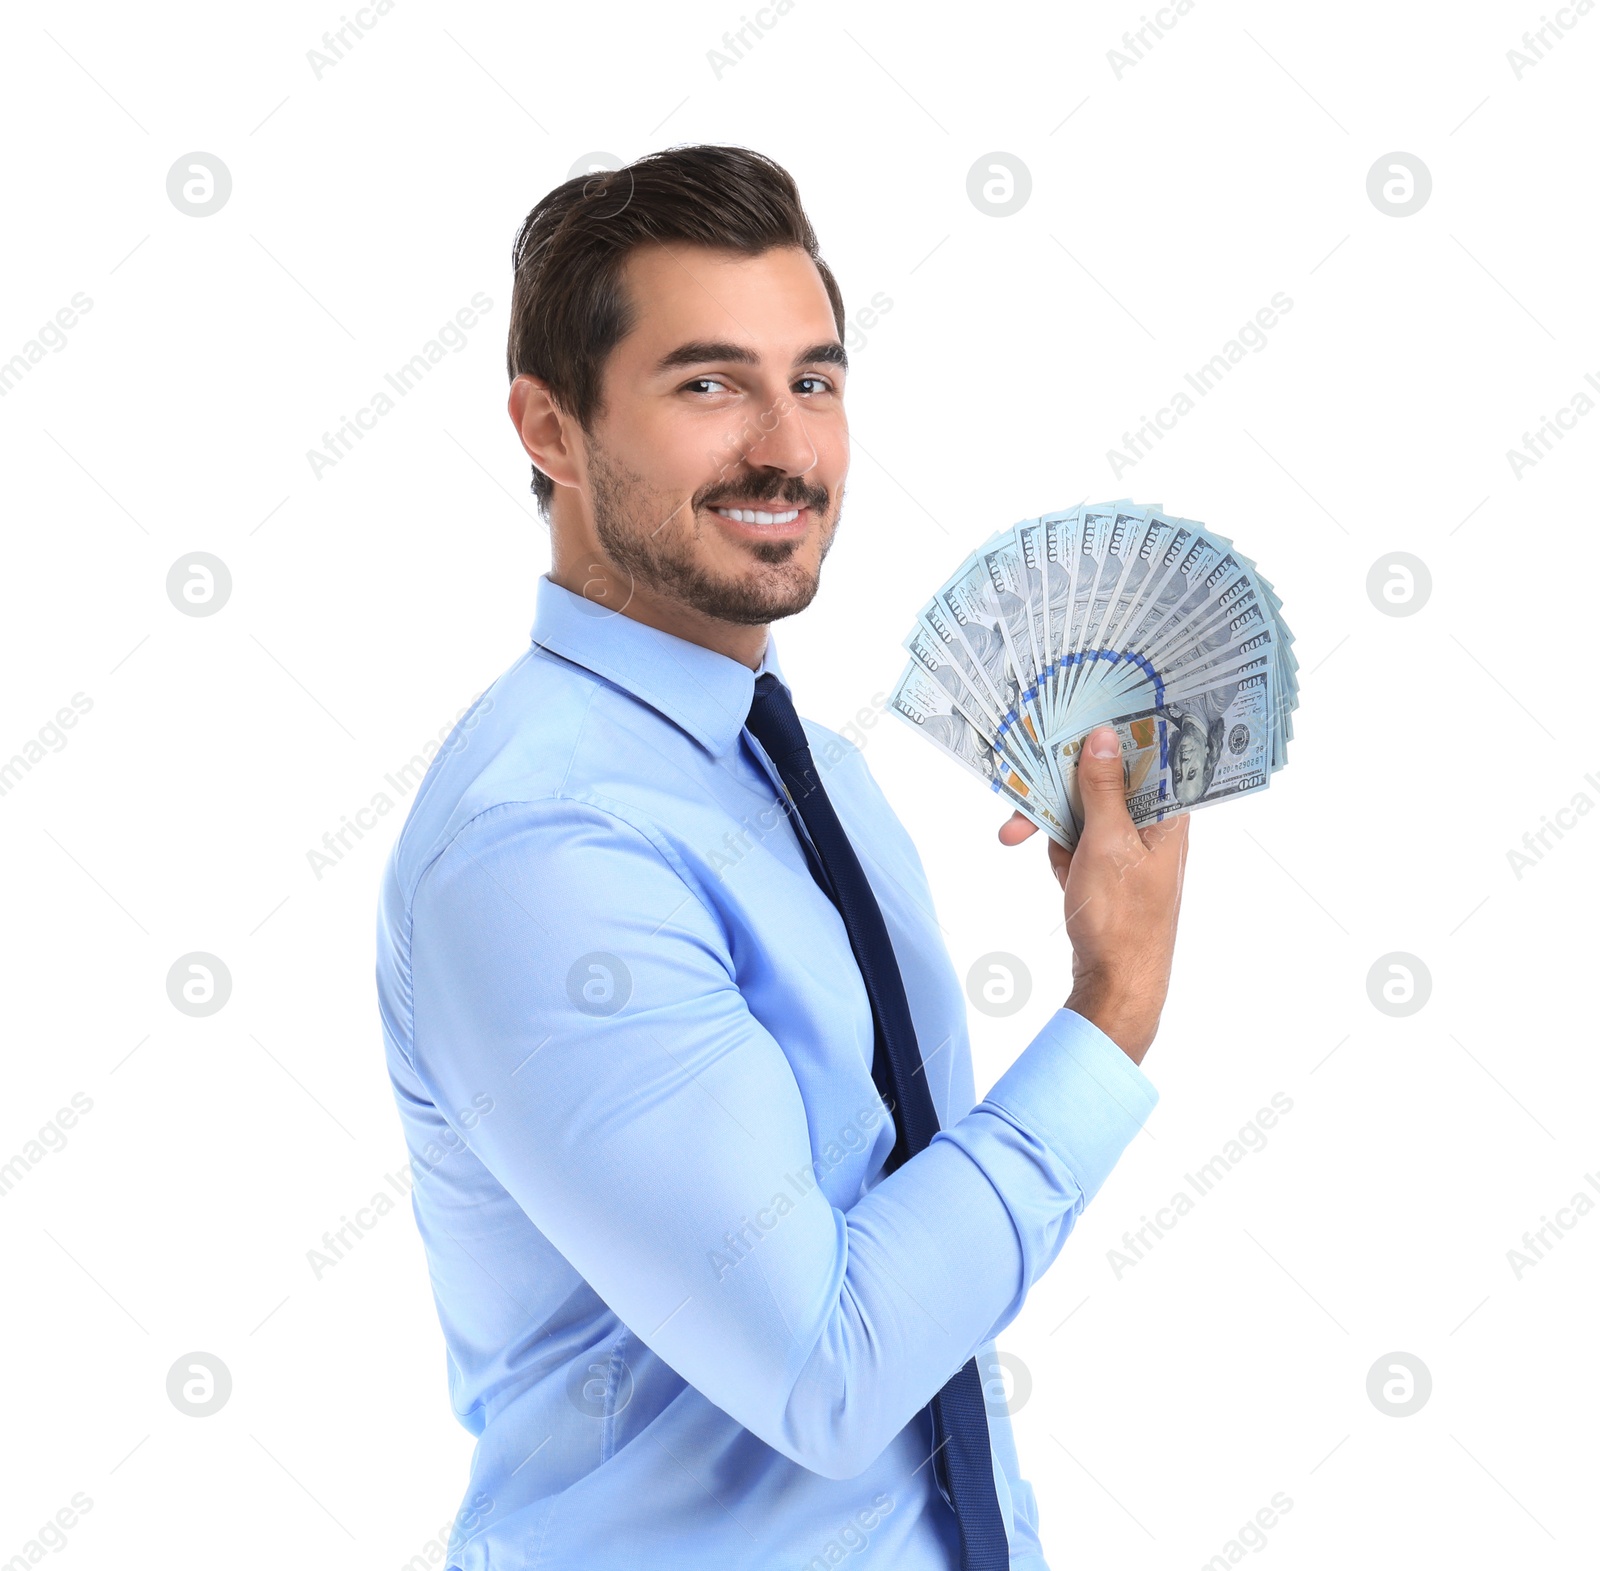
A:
<point x="1111" y="613"/>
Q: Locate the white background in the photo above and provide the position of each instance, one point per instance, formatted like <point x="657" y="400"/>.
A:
<point x="370" y="605"/>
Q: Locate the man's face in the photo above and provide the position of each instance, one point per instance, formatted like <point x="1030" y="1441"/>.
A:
<point x="728" y="393"/>
<point x="1189" y="761"/>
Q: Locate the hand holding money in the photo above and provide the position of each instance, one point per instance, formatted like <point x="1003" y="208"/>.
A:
<point x="1122" y="888"/>
<point x="1108" y="670"/>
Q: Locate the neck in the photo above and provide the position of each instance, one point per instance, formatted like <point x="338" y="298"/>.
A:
<point x="589" y="575"/>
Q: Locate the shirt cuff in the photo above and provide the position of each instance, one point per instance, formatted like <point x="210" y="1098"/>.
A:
<point x="1078" y="1093"/>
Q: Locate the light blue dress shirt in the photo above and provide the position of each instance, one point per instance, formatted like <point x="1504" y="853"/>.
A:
<point x="688" y="1319"/>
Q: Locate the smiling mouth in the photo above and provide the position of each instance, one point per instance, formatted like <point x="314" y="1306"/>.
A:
<point x="753" y="515"/>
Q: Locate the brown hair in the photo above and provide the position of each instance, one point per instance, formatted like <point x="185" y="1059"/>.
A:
<point x="568" y="307"/>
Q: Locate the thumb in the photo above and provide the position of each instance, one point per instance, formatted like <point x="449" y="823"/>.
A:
<point x="1100" y="776"/>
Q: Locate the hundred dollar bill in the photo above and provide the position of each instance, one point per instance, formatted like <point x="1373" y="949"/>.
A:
<point x="1121" y="552"/>
<point x="1189" y="754"/>
<point x="1027" y="556"/>
<point x="1287" y="661"/>
<point x="944" y="658"/>
<point x="1058" y="532"/>
<point x="979" y="622"/>
<point x="1201" y="605"/>
<point x="921" y="702"/>
<point x="1004" y="566"/>
<point x="1151" y="549"/>
<point x="1094" y="536"/>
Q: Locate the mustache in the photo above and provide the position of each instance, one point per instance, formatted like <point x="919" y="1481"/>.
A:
<point x="790" y="493"/>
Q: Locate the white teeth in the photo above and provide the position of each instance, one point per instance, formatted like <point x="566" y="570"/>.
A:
<point x="745" y="515"/>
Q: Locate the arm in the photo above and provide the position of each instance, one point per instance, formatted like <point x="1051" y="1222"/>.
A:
<point x="636" y="1140"/>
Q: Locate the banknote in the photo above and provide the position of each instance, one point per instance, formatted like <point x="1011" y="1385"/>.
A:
<point x="1187" y="754"/>
<point x="1114" y="612"/>
<point x="920" y="701"/>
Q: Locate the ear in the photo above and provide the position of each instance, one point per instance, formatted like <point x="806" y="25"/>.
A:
<point x="548" y="435"/>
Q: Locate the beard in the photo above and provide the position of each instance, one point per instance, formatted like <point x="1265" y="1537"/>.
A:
<point x="663" y="557"/>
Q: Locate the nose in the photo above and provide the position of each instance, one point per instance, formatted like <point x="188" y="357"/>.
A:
<point x="786" y="446"/>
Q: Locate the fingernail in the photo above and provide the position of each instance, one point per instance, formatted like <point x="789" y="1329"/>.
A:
<point x="1103" y="743"/>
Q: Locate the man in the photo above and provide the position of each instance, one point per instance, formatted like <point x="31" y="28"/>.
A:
<point x="718" y="1233"/>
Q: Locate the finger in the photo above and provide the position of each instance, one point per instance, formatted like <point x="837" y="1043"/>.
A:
<point x="1016" y="829"/>
<point x="1060" y="861"/>
<point x="1103" y="786"/>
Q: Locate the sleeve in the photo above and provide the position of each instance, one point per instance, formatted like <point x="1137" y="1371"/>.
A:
<point x="563" y="965"/>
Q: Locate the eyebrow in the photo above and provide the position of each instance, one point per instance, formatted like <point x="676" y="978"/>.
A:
<point x="708" y="351"/>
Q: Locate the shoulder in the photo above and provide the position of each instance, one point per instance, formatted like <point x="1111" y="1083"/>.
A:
<point x="561" y="852"/>
<point x="525" y="759"/>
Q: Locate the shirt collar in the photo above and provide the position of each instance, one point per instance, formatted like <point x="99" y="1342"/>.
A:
<point x="705" y="693"/>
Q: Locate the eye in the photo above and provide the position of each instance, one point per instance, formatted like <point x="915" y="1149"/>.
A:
<point x="717" y="383"/>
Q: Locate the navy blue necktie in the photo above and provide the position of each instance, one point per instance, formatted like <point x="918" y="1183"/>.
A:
<point x="960" y="1419"/>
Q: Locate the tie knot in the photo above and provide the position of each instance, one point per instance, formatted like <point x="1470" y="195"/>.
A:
<point x="773" y="721"/>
